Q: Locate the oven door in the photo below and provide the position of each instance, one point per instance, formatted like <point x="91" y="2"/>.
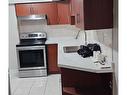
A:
<point x="31" y="57"/>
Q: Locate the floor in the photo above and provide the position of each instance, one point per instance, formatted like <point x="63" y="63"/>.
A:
<point x="50" y="85"/>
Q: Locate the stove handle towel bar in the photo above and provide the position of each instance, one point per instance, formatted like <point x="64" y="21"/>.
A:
<point x="31" y="48"/>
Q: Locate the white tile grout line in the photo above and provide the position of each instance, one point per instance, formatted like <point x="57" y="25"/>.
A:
<point x="60" y="85"/>
<point x="15" y="88"/>
<point x="45" y="86"/>
<point x="31" y="86"/>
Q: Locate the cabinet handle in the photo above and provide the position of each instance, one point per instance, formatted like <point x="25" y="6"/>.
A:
<point x="110" y="84"/>
<point x="78" y="18"/>
<point x="31" y="10"/>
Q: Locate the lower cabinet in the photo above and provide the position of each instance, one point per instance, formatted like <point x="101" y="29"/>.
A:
<point x="76" y="82"/>
<point x="52" y="59"/>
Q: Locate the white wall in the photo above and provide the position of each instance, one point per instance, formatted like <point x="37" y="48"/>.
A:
<point x="115" y="48"/>
<point x="13" y="38"/>
<point x="115" y="39"/>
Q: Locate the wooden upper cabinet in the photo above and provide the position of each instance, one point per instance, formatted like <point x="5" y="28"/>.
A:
<point x="98" y="14"/>
<point x="79" y="14"/>
<point x="72" y="7"/>
<point x="47" y="8"/>
<point x="23" y="9"/>
<point x="63" y="13"/>
<point x="94" y="14"/>
<point x="57" y="12"/>
<point x="50" y="9"/>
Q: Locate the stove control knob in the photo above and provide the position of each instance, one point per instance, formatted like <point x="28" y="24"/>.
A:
<point x="40" y="35"/>
<point x="44" y="35"/>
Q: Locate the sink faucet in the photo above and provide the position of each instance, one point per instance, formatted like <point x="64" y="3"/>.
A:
<point x="85" y="35"/>
<point x="77" y="34"/>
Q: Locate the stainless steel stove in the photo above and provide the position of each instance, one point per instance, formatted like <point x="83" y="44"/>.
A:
<point x="31" y="52"/>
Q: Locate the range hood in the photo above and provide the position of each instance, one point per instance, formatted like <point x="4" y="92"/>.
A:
<point x="31" y="23"/>
<point x="31" y="1"/>
<point x="32" y="17"/>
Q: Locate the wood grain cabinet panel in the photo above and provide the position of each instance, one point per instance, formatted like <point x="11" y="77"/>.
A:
<point x="85" y="83"/>
<point x="57" y="12"/>
<point x="50" y="9"/>
<point x="94" y="14"/>
<point x="72" y="7"/>
<point x="99" y="14"/>
<point x="79" y="14"/>
<point x="23" y="9"/>
<point x="52" y="58"/>
<point x="64" y="15"/>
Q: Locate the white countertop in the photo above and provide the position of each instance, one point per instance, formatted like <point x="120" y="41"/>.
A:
<point x="75" y="61"/>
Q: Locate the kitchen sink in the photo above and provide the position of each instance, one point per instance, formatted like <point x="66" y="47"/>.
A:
<point x="71" y="49"/>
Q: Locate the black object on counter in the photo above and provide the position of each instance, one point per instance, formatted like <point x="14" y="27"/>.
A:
<point x="84" y="51"/>
<point x="94" y="47"/>
<point x="87" y="51"/>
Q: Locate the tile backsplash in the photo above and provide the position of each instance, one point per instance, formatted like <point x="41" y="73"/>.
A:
<point x="31" y="25"/>
<point x="61" y="31"/>
<point x="103" y="36"/>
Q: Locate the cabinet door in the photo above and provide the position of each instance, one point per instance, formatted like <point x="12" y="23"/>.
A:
<point x="79" y="13"/>
<point x="72" y="7"/>
<point x="50" y="9"/>
<point x="98" y="14"/>
<point x="23" y="9"/>
<point x="52" y="58"/>
<point x="94" y="14"/>
<point x="85" y="83"/>
<point x="63" y="13"/>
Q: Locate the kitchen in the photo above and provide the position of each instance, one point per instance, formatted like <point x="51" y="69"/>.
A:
<point x="70" y="23"/>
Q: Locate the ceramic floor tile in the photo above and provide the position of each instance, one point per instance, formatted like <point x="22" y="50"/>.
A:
<point x="14" y="85"/>
<point x="22" y="91"/>
<point x="37" y="90"/>
<point x="22" y="86"/>
<point x="26" y="83"/>
<point x="38" y="87"/>
<point x="50" y="85"/>
<point x="53" y="85"/>
<point x="40" y="82"/>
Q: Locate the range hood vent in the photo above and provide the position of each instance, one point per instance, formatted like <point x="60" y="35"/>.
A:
<point x="33" y="17"/>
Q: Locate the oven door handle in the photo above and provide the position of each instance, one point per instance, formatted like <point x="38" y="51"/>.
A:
<point x="30" y="48"/>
